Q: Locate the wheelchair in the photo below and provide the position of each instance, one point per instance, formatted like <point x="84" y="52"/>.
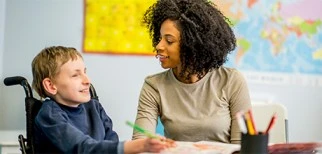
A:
<point x="32" y="106"/>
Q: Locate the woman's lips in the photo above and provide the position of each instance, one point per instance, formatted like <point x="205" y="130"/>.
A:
<point x="161" y="57"/>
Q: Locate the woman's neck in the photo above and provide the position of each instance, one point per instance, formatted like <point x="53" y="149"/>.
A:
<point x="192" y="79"/>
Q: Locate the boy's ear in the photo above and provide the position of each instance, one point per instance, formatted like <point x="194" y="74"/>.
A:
<point x="49" y="86"/>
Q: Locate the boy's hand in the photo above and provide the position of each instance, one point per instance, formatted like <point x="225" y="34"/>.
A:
<point x="168" y="142"/>
<point x="157" y="145"/>
<point x="154" y="145"/>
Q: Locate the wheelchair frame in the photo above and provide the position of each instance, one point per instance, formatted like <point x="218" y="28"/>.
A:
<point x="32" y="106"/>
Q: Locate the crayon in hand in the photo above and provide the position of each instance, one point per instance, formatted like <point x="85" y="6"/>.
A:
<point x="141" y="130"/>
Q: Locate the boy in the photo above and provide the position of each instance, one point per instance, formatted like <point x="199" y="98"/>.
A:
<point x="69" y="121"/>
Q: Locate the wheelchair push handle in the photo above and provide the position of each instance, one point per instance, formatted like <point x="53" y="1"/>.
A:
<point x="15" y="80"/>
<point x="9" y="81"/>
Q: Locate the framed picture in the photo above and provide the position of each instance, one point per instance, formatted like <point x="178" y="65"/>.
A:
<point x="115" y="27"/>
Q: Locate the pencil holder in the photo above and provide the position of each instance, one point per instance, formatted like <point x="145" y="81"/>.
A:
<point x="254" y="144"/>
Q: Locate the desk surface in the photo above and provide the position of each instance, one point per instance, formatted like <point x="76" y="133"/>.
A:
<point x="201" y="147"/>
<point x="10" y="137"/>
<point x="205" y="147"/>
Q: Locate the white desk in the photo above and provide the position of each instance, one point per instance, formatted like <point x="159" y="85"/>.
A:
<point x="9" y="141"/>
<point x="201" y="147"/>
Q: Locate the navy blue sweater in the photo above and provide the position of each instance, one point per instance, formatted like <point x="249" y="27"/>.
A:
<point x="83" y="129"/>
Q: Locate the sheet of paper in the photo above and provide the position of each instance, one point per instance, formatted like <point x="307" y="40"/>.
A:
<point x="202" y="147"/>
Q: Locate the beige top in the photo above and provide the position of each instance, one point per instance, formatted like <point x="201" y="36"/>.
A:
<point x="201" y="111"/>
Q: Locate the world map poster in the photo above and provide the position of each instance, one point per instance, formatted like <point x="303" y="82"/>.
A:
<point x="279" y="41"/>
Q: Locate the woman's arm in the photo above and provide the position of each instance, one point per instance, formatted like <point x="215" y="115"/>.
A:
<point x="239" y="100"/>
<point x="147" y="111"/>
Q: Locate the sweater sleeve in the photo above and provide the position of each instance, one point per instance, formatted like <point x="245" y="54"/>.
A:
<point x="147" y="111"/>
<point x="67" y="138"/>
<point x="239" y="100"/>
<point x="110" y="134"/>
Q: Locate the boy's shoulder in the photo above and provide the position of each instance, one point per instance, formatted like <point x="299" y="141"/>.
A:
<point x="49" y="109"/>
<point x="49" y="104"/>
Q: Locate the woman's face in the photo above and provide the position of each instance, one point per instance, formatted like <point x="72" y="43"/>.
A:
<point x="168" y="49"/>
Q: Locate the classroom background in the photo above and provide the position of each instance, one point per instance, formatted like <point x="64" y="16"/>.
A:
<point x="26" y="27"/>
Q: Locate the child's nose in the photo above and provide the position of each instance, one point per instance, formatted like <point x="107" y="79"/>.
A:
<point x="86" y="79"/>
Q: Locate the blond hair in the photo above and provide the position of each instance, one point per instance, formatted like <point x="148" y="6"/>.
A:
<point x="47" y="64"/>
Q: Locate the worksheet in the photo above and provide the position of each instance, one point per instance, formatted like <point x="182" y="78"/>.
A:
<point x="202" y="147"/>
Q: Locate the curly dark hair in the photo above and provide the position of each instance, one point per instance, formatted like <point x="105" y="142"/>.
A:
<point x="206" y="35"/>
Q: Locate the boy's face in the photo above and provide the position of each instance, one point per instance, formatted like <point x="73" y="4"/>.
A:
<point x="72" y="84"/>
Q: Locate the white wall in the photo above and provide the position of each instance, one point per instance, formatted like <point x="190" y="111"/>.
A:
<point x="2" y="23"/>
<point x="34" y="24"/>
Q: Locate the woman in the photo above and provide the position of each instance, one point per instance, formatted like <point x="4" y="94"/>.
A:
<point x="196" y="97"/>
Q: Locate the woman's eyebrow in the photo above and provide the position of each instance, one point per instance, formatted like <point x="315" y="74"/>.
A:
<point x="170" y="36"/>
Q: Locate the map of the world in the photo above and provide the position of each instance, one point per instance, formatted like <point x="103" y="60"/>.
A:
<point x="281" y="36"/>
